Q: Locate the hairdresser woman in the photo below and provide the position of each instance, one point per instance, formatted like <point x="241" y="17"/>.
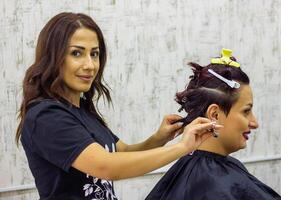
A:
<point x="71" y="152"/>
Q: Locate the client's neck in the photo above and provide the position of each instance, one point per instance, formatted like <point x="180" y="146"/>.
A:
<point x="213" y="145"/>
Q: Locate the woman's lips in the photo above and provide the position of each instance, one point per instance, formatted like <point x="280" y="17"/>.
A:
<point x="85" y="77"/>
<point x="246" y="135"/>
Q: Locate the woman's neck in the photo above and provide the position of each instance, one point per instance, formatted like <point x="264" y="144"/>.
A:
<point x="213" y="145"/>
<point x="73" y="99"/>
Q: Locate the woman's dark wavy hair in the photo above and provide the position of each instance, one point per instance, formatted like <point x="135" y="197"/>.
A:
<point x="43" y="79"/>
<point x="205" y="89"/>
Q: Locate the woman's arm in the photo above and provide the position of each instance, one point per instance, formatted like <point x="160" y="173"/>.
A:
<point x="166" y="132"/>
<point x="97" y="162"/>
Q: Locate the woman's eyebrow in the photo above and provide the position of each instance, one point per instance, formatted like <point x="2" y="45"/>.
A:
<point x="83" y="48"/>
<point x="76" y="46"/>
<point x="250" y="104"/>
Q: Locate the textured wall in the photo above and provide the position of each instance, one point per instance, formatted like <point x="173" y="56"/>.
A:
<point x="148" y="42"/>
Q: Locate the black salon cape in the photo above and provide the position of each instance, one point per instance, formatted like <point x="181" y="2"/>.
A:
<point x="209" y="176"/>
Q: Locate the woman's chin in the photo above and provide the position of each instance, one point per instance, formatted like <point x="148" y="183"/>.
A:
<point x="243" y="146"/>
<point x="85" y="89"/>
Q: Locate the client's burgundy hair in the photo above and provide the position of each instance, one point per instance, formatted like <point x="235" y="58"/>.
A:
<point x="205" y="89"/>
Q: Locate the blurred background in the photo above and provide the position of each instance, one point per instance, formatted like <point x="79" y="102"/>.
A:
<point x="149" y="43"/>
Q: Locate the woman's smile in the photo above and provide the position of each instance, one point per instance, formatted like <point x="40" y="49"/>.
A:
<point x="87" y="78"/>
<point x="246" y="135"/>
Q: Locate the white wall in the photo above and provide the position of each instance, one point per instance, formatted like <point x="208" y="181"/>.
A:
<point x="148" y="42"/>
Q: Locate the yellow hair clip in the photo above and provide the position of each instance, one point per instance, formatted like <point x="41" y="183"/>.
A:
<point x="225" y="59"/>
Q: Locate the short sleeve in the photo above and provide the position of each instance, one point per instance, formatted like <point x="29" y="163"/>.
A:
<point x="115" y="138"/>
<point x="58" y="136"/>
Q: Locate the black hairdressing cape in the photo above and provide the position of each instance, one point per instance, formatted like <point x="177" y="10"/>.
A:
<point x="209" y="176"/>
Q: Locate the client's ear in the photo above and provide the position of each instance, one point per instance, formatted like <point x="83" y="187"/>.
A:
<point x="213" y="112"/>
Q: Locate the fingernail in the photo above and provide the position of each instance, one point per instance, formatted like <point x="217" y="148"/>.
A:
<point x="179" y="123"/>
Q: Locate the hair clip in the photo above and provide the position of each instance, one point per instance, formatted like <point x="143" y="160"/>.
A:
<point x="231" y="83"/>
<point x="225" y="59"/>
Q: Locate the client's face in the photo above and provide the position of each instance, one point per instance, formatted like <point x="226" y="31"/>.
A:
<point x="239" y="122"/>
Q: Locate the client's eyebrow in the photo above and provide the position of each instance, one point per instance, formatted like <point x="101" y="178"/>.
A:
<point x="250" y="104"/>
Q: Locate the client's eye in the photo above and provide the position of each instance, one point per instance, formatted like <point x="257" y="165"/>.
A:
<point x="247" y="111"/>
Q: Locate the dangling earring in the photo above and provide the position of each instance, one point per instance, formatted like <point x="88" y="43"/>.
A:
<point x="215" y="134"/>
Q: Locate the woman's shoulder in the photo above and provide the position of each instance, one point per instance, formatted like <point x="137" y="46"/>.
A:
<point x="204" y="163"/>
<point x="237" y="163"/>
<point x="48" y="107"/>
<point x="49" y="114"/>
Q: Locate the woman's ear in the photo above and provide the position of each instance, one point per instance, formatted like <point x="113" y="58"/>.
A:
<point x="213" y="112"/>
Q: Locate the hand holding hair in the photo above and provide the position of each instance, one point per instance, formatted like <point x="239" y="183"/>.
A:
<point x="170" y="128"/>
<point x="198" y="131"/>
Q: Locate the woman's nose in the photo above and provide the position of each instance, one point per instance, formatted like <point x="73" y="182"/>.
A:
<point x="88" y="63"/>
<point x="254" y="123"/>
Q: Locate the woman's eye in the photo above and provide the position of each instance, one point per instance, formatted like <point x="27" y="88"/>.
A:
<point x="247" y="111"/>
<point x="76" y="53"/>
<point x="95" y="54"/>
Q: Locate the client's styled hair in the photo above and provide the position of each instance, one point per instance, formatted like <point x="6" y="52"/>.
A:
<point x="205" y="89"/>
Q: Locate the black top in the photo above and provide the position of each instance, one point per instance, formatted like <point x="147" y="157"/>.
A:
<point x="209" y="176"/>
<point x="54" y="133"/>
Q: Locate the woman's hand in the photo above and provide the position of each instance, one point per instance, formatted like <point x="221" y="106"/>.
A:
<point x="169" y="129"/>
<point x="198" y="131"/>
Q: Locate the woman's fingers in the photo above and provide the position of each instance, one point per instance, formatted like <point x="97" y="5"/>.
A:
<point x="173" y="118"/>
<point x="172" y="123"/>
<point x="178" y="132"/>
<point x="201" y="127"/>
<point x="207" y="127"/>
<point x="176" y="126"/>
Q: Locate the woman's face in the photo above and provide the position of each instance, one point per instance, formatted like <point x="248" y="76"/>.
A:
<point x="238" y="123"/>
<point x="81" y="63"/>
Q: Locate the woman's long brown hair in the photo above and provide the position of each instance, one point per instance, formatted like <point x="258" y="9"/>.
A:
<point x="43" y="79"/>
